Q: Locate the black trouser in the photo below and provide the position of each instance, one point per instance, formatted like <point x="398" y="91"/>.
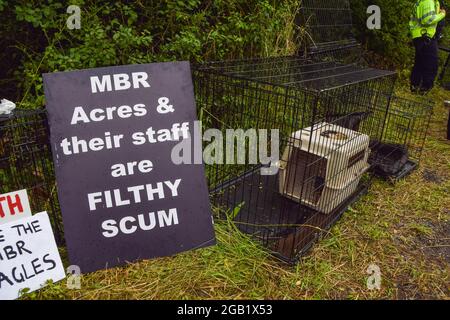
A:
<point x="426" y="63"/>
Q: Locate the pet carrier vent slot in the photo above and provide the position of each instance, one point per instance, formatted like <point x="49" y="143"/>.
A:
<point x="356" y="158"/>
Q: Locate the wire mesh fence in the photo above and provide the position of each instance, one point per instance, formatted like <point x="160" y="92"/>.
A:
<point x="26" y="163"/>
<point x="327" y="23"/>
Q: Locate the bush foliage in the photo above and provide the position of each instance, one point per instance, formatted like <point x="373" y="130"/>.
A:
<point x="35" y="39"/>
<point x="392" y="41"/>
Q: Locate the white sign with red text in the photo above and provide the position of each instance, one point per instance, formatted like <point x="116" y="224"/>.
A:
<point x="14" y="206"/>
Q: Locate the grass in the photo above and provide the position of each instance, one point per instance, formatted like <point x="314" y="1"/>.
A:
<point x="404" y="229"/>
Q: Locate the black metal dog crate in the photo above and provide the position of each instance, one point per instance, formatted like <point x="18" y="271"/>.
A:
<point x="329" y="115"/>
<point x="26" y="162"/>
<point x="338" y="124"/>
<point x="405" y="131"/>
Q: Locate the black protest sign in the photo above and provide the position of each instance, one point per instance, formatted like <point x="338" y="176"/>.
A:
<point x="112" y="133"/>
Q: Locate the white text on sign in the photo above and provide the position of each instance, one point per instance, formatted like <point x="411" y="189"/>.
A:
<point x="119" y="81"/>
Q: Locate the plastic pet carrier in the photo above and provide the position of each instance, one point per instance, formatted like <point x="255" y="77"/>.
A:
<point x="330" y="161"/>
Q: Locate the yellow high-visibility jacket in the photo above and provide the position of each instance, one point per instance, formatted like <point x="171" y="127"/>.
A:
<point x="425" y="17"/>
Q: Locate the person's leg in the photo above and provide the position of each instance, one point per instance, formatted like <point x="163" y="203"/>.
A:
<point x="431" y="64"/>
<point x="416" y="74"/>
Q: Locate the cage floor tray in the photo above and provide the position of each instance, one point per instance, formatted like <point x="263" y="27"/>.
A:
<point x="5" y="117"/>
<point x="272" y="218"/>
<point x="407" y="169"/>
<point x="260" y="205"/>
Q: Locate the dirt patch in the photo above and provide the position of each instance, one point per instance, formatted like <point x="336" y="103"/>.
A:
<point x="431" y="244"/>
<point x="437" y="246"/>
<point x="409" y="291"/>
<point x="432" y="176"/>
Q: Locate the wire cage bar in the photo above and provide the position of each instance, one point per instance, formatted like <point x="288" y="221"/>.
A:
<point x="328" y="24"/>
<point x="444" y="76"/>
<point x="318" y="72"/>
<point x="26" y="163"/>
